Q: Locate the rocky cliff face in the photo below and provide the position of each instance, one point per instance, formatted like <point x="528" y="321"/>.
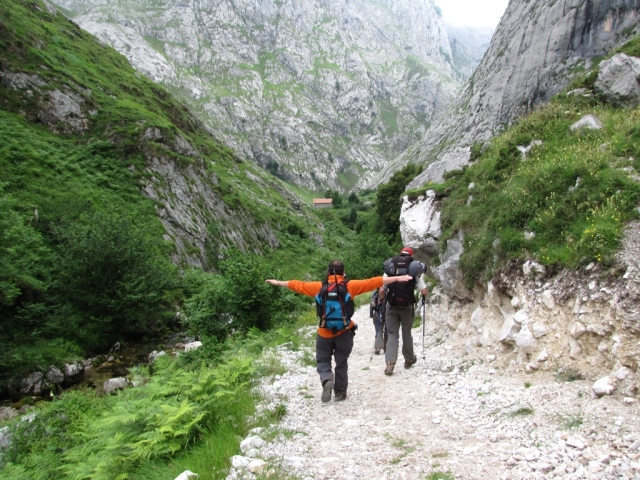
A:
<point x="320" y="93"/>
<point x="580" y="320"/>
<point x="584" y="321"/>
<point x="536" y="50"/>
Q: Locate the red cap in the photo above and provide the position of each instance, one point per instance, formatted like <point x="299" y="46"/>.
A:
<point x="407" y="250"/>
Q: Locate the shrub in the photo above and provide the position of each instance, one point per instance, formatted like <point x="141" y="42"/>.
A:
<point x="116" y="275"/>
<point x="388" y="200"/>
<point x="238" y="299"/>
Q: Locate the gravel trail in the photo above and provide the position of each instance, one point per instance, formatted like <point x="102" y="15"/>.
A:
<point x="447" y="414"/>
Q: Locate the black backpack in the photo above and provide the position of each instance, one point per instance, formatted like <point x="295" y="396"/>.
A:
<point x="334" y="305"/>
<point x="400" y="294"/>
<point x="374" y="303"/>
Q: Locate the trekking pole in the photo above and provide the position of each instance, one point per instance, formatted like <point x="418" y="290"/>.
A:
<point x="424" y="321"/>
<point x="374" y="339"/>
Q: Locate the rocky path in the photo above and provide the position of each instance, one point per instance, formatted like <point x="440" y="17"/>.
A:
<point x="470" y="420"/>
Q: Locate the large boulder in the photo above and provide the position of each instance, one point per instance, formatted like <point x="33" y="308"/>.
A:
<point x="114" y="384"/>
<point x="420" y="223"/>
<point x="449" y="272"/>
<point x="618" y="80"/>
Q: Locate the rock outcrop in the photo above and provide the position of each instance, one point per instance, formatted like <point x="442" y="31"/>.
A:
<point x="571" y="321"/>
<point x="618" y="81"/>
<point x="535" y="52"/>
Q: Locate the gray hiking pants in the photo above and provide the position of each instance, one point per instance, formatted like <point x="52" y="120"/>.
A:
<point x="340" y="348"/>
<point x="396" y="318"/>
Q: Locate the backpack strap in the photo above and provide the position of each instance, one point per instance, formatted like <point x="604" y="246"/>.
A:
<point x="322" y="307"/>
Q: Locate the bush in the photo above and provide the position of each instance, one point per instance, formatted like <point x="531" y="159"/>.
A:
<point x="117" y="276"/>
<point x="238" y="299"/>
<point x="388" y="202"/>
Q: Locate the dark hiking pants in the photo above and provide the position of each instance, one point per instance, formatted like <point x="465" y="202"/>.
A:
<point x="380" y="341"/>
<point x="340" y="348"/>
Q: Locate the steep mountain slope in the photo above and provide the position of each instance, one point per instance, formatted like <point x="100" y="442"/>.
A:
<point x="527" y="63"/>
<point x="535" y="243"/>
<point x="320" y="93"/>
<point x="100" y="133"/>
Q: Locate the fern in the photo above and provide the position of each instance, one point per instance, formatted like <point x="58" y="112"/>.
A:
<point x="159" y="419"/>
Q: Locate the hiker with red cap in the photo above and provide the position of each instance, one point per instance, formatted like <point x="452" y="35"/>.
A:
<point x="334" y="302"/>
<point x="400" y="307"/>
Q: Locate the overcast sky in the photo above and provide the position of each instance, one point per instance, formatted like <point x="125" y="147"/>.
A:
<point x="481" y="13"/>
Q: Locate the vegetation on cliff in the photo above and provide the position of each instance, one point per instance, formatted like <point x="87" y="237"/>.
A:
<point x="562" y="203"/>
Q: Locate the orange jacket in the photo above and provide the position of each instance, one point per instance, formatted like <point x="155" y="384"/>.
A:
<point x="354" y="287"/>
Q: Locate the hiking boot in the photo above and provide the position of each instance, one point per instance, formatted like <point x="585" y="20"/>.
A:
<point x="327" y="386"/>
<point x="339" y="395"/>
<point x="376" y="351"/>
<point x="409" y="363"/>
<point x="389" y="369"/>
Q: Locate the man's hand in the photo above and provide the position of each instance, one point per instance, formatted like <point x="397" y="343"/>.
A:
<point x="277" y="283"/>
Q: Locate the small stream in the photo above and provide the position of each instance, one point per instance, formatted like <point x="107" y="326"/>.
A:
<point x="117" y="363"/>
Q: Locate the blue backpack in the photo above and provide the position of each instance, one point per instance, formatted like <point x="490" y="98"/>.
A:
<point x="334" y="305"/>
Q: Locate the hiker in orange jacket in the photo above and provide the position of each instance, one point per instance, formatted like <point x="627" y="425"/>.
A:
<point x="336" y="343"/>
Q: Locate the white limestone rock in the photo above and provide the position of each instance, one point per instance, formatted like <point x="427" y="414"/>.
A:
<point x="617" y="80"/>
<point x="577" y="330"/>
<point x="192" y="346"/>
<point x="543" y="356"/>
<point x="449" y="273"/>
<point x="548" y="300"/>
<point x="251" y="442"/>
<point x="588" y="122"/>
<point x="508" y="331"/>
<point x="420" y="223"/>
<point x="525" y="341"/>
<point x="238" y="461"/>
<point x="114" y="384"/>
<point x="155" y="354"/>
<point x="539" y="330"/>
<point x="187" y="475"/>
<point x="604" y="386"/>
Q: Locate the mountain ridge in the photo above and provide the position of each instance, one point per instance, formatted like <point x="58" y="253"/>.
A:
<point x="335" y="89"/>
<point x="561" y="39"/>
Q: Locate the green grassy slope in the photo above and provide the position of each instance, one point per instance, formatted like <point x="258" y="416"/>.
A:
<point x="118" y="109"/>
<point x="92" y="156"/>
<point x="565" y="204"/>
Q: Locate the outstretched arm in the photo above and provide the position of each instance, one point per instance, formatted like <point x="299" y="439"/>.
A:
<point x="277" y="283"/>
<point x="399" y="278"/>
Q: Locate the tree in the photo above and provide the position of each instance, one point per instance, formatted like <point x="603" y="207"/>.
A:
<point x="335" y="196"/>
<point x="388" y="202"/>
<point x="114" y="274"/>
<point x="238" y="299"/>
